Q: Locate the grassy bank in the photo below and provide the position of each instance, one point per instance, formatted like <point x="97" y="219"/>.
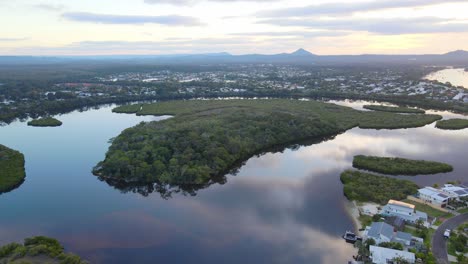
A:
<point x="45" y="122"/>
<point x="452" y="124"/>
<point x="12" y="172"/>
<point x="206" y="138"/>
<point x="394" y="109"/>
<point x="399" y="166"/>
<point x="430" y="211"/>
<point x="366" y="187"/>
<point x="37" y="250"/>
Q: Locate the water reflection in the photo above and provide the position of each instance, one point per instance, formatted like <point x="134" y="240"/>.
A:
<point x="284" y="206"/>
<point x="457" y="77"/>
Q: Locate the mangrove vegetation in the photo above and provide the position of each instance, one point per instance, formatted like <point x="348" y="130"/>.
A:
<point x="399" y="166"/>
<point x="453" y="124"/>
<point x="393" y="109"/>
<point x="45" y="122"/>
<point x="206" y="139"/>
<point x="38" y="249"/>
<point x="366" y="187"/>
<point x="12" y="171"/>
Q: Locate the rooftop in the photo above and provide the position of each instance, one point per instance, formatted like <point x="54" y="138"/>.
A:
<point x="393" y="202"/>
<point x="382" y="255"/>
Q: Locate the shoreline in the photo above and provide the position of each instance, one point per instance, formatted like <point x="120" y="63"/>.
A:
<point x="353" y="211"/>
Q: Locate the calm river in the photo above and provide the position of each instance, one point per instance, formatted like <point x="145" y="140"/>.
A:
<point x="280" y="208"/>
<point x="457" y="77"/>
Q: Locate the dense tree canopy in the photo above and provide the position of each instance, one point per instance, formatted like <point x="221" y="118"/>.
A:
<point x="366" y="187"/>
<point x="206" y="139"/>
<point x="453" y="124"/>
<point x="399" y="166"/>
<point x="12" y="171"/>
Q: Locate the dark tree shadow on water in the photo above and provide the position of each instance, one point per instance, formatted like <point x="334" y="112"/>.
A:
<point x="166" y="191"/>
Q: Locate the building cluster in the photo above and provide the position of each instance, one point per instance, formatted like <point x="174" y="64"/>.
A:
<point x="276" y="77"/>
<point x="396" y="215"/>
<point x="443" y="196"/>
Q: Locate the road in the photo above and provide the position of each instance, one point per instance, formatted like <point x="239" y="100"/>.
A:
<point x="439" y="245"/>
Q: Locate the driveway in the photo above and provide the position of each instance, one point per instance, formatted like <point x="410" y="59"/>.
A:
<point x="439" y="245"/>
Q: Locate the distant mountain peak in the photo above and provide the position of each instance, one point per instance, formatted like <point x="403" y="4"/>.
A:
<point x="302" y="52"/>
<point x="457" y="53"/>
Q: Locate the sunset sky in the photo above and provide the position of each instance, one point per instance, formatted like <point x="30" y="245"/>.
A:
<point x="102" y="27"/>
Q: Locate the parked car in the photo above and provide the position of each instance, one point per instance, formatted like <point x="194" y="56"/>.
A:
<point x="447" y="233"/>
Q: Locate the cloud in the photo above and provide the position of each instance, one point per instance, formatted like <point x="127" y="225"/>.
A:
<point x="303" y="34"/>
<point x="12" y="39"/>
<point x="48" y="7"/>
<point x="347" y="8"/>
<point x="170" y="20"/>
<point x="379" y="26"/>
<point x="191" y="2"/>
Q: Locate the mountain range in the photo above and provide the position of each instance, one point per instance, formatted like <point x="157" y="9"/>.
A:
<point x="301" y="56"/>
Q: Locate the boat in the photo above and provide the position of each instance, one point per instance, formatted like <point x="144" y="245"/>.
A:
<point x="350" y="237"/>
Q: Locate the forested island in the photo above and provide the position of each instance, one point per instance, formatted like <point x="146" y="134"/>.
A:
<point x="37" y="250"/>
<point x="45" y="122"/>
<point x="366" y="187"/>
<point x="394" y="109"/>
<point x="452" y="124"/>
<point x="12" y="171"/>
<point x="399" y="166"/>
<point x="206" y="139"/>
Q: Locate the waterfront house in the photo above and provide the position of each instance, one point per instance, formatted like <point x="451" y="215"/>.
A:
<point x="403" y="210"/>
<point x="380" y="255"/>
<point x="403" y="238"/>
<point x="380" y="232"/>
<point x="456" y="192"/>
<point x="433" y="196"/>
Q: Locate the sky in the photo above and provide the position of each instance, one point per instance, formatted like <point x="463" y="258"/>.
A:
<point x="324" y="27"/>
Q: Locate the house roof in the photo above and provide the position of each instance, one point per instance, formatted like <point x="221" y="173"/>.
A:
<point x="433" y="193"/>
<point x="380" y="228"/>
<point x="393" y="202"/>
<point x="403" y="236"/>
<point x="382" y="255"/>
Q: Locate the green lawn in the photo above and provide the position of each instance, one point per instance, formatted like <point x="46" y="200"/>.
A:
<point x="432" y="212"/>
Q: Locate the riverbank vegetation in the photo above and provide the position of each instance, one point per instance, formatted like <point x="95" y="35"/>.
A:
<point x="206" y="139"/>
<point x="45" y="122"/>
<point x="392" y="109"/>
<point x="452" y="124"/>
<point x="12" y="171"/>
<point x="399" y="166"/>
<point x="366" y="187"/>
<point x="37" y="250"/>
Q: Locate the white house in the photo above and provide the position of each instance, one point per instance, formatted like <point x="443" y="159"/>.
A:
<point x="380" y="255"/>
<point x="403" y="210"/>
<point x="456" y="192"/>
<point x="433" y="196"/>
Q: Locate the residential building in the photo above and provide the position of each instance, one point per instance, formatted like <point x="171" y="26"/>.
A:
<point x="380" y="255"/>
<point x="380" y="232"/>
<point x="433" y="196"/>
<point x="403" y="238"/>
<point x="403" y="210"/>
<point x="456" y="192"/>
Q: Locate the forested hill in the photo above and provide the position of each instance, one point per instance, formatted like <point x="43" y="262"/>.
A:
<point x="206" y="138"/>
